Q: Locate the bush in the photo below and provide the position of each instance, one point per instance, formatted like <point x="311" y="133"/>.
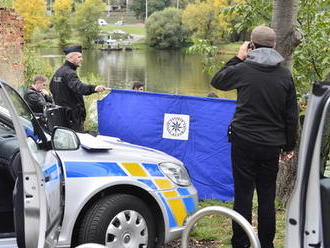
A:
<point x="86" y="16"/>
<point x="166" y="30"/>
<point x="91" y="122"/>
<point x="139" y="7"/>
<point x="34" y="65"/>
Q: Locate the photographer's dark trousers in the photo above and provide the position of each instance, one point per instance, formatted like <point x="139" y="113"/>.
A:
<point x="254" y="167"/>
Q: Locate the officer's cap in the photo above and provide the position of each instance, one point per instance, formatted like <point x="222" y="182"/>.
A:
<point x="72" y="49"/>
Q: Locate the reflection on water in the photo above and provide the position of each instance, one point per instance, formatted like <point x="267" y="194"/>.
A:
<point x="161" y="71"/>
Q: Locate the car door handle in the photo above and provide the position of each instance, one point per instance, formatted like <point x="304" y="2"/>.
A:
<point x="47" y="179"/>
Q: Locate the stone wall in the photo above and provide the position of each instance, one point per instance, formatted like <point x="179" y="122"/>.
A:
<point x="11" y="47"/>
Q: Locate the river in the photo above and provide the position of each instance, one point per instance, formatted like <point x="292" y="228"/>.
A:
<point x="164" y="71"/>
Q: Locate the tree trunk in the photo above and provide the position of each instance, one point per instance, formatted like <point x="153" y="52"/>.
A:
<point x="287" y="176"/>
<point x="284" y="23"/>
<point x="288" y="38"/>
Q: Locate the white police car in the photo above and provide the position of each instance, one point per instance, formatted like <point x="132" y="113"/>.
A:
<point x="71" y="189"/>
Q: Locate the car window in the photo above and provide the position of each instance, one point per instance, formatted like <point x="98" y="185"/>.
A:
<point x="25" y="115"/>
<point x="325" y="146"/>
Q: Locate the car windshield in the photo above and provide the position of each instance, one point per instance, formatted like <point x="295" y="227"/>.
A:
<point x="25" y="115"/>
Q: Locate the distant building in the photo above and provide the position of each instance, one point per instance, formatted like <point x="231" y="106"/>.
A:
<point x="118" y="4"/>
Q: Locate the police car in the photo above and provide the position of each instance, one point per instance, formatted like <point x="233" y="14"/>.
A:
<point x="70" y="188"/>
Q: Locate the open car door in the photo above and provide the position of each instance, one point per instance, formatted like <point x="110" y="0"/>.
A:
<point x="308" y="215"/>
<point x="38" y="202"/>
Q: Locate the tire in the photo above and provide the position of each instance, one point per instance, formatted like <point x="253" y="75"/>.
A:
<point x="118" y="221"/>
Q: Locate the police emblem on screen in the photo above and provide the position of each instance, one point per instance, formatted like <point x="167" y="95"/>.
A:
<point x="176" y="126"/>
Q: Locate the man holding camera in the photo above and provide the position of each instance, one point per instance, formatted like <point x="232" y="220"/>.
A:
<point x="263" y="128"/>
<point x="36" y="95"/>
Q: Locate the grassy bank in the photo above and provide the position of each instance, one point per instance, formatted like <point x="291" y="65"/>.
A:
<point x="49" y="38"/>
<point x="131" y="29"/>
<point x="218" y="228"/>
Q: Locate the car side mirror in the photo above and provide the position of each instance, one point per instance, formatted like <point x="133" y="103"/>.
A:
<point x="65" y="139"/>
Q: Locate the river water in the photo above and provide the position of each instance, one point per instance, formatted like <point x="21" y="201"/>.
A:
<point x="164" y="71"/>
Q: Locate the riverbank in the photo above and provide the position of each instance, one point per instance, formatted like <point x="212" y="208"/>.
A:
<point x="49" y="38"/>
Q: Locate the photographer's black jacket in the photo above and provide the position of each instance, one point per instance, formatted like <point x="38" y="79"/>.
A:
<point x="36" y="100"/>
<point x="266" y="111"/>
<point x="68" y="90"/>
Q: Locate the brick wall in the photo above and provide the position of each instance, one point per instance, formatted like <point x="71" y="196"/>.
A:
<point x="11" y="47"/>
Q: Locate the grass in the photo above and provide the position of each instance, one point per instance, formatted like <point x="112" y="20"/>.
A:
<point x="131" y="29"/>
<point x="121" y="16"/>
<point x="218" y="228"/>
<point x="49" y="38"/>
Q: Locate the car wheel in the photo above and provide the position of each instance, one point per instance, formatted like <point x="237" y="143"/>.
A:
<point x="118" y="221"/>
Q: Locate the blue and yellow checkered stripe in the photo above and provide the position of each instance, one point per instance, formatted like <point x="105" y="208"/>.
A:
<point x="178" y="204"/>
<point x="177" y="201"/>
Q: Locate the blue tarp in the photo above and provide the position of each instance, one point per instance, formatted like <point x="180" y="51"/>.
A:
<point x="192" y="129"/>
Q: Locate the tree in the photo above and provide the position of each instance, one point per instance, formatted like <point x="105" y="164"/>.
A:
<point x="61" y="20"/>
<point x="139" y="7"/>
<point x="34" y="14"/>
<point x="284" y="21"/>
<point x="6" y="3"/>
<point x="34" y="65"/>
<point x="228" y="22"/>
<point x="208" y="20"/>
<point x="295" y="21"/>
<point x="182" y="4"/>
<point x="86" y="16"/>
<point x="165" y="29"/>
<point x="311" y="58"/>
<point x="201" y="19"/>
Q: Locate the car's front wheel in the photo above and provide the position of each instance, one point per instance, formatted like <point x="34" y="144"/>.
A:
<point x="118" y="221"/>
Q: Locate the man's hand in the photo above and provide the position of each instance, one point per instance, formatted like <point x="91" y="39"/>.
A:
<point x="99" y="88"/>
<point x="243" y="50"/>
<point x="285" y="156"/>
<point x="45" y="92"/>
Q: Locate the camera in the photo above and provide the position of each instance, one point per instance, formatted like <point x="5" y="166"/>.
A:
<point x="251" y="46"/>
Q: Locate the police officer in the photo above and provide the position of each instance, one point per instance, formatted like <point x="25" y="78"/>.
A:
<point x="68" y="90"/>
<point x="36" y="95"/>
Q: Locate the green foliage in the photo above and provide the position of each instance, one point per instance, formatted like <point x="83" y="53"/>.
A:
<point x="213" y="20"/>
<point x="211" y="61"/>
<point x="61" y="20"/>
<point x="201" y="19"/>
<point x="6" y="3"/>
<point x="34" y="14"/>
<point x="311" y="58"/>
<point x="166" y="30"/>
<point x="86" y="17"/>
<point x="91" y="101"/>
<point x="34" y="65"/>
<point x="139" y="7"/>
<point x="252" y="13"/>
<point x="117" y="2"/>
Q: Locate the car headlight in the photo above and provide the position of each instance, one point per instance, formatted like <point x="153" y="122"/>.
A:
<point x="177" y="173"/>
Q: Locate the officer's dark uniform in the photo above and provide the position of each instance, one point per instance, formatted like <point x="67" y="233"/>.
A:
<point x="68" y="91"/>
<point x="36" y="100"/>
